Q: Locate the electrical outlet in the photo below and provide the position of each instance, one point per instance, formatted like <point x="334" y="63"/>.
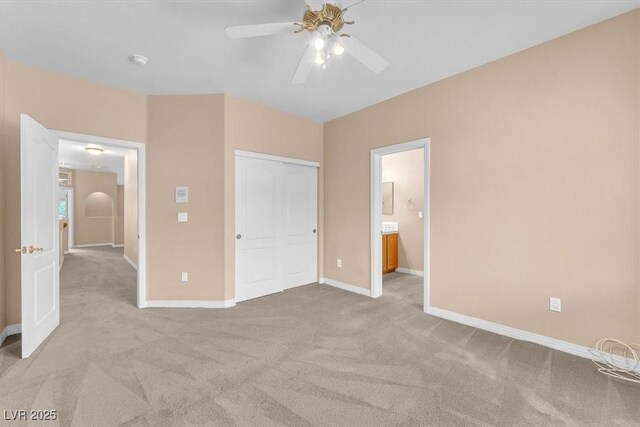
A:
<point x="185" y="276"/>
<point x="555" y="304"/>
<point x="339" y="263"/>
<point x="420" y="215"/>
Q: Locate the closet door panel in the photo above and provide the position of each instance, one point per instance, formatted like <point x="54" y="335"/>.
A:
<point x="301" y="217"/>
<point x="259" y="265"/>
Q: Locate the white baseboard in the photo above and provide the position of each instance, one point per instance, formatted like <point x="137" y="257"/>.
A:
<point x="133" y="264"/>
<point x="118" y="246"/>
<point x="10" y="330"/>
<point x="66" y="252"/>
<point x="519" y="334"/>
<point x="508" y="331"/>
<point x="93" y="245"/>
<point x="191" y="304"/>
<point x="345" y="286"/>
<point x="410" y="271"/>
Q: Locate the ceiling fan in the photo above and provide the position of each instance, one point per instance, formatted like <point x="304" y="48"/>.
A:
<point x="324" y="25"/>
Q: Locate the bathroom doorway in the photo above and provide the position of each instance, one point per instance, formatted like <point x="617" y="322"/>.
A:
<point x="400" y="219"/>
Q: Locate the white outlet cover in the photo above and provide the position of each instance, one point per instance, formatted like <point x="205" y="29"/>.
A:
<point x="183" y="217"/>
<point x="339" y="263"/>
<point x="555" y="304"/>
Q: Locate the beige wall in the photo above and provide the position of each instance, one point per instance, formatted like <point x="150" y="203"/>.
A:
<point x="118" y="219"/>
<point x="130" y="205"/>
<point x="185" y="148"/>
<point x="253" y="127"/>
<point x="93" y="226"/>
<point x="406" y="171"/>
<point x="63" y="103"/>
<point x="535" y="186"/>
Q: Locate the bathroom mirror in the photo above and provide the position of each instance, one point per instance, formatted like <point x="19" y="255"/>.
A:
<point x="387" y="198"/>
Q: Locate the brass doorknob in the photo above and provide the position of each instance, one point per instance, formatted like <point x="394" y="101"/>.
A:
<point x="34" y="249"/>
<point x="22" y="250"/>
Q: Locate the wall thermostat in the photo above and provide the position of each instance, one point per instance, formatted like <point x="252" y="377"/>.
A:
<point x="182" y="194"/>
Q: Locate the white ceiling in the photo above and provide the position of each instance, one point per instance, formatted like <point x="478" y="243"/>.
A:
<point x="72" y="155"/>
<point x="424" y="41"/>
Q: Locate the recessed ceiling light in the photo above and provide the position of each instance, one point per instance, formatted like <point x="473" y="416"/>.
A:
<point x="94" y="150"/>
<point x="139" y="59"/>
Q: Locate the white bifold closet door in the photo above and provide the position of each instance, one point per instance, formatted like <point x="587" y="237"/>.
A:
<point x="276" y="226"/>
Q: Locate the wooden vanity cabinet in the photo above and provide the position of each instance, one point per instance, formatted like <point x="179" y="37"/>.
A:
<point x="389" y="252"/>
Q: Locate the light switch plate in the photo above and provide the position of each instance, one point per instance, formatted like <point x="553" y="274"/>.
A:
<point x="183" y="217"/>
<point x="555" y="304"/>
<point x="185" y="276"/>
<point x="420" y="214"/>
<point x="339" y="263"/>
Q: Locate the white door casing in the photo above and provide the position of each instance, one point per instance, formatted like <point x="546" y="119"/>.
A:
<point x="301" y="219"/>
<point x="276" y="225"/>
<point x="39" y="233"/>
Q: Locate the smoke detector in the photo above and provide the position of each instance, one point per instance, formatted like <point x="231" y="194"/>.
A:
<point x="138" y="59"/>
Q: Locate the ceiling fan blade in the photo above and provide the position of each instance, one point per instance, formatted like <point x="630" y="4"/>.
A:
<point x="364" y="54"/>
<point x="258" y="30"/>
<point x="304" y="67"/>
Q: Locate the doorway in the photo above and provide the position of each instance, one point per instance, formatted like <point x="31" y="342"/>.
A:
<point x="106" y="178"/>
<point x="382" y="195"/>
<point x="41" y="206"/>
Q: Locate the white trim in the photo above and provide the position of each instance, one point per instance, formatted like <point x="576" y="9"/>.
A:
<point x="91" y="245"/>
<point x="142" y="216"/>
<point x="130" y="261"/>
<point x="67" y="252"/>
<point x="376" y="214"/>
<point x="262" y="156"/>
<point x="61" y="263"/>
<point x="10" y="330"/>
<point x="410" y="271"/>
<point x="518" y="334"/>
<point x="71" y="208"/>
<point x="191" y="304"/>
<point x="345" y="286"/>
<point x="95" y="245"/>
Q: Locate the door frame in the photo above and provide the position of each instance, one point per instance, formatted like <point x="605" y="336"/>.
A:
<point x="376" y="214"/>
<point x="70" y="217"/>
<point x="141" y="294"/>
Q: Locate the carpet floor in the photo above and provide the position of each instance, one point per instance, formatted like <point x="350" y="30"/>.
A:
<point x="313" y="355"/>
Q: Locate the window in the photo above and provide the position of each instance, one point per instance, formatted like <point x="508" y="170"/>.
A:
<point x="63" y="204"/>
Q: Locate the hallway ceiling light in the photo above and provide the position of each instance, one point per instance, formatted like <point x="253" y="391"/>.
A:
<point x="138" y="59"/>
<point x="96" y="151"/>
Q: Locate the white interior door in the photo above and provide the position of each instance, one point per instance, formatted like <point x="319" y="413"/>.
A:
<point x="39" y="233"/>
<point x="301" y="223"/>
<point x="259" y="262"/>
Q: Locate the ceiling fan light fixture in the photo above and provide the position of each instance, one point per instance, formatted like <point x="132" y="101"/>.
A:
<point x="318" y="43"/>
<point x="338" y="48"/>
<point x="319" y="59"/>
